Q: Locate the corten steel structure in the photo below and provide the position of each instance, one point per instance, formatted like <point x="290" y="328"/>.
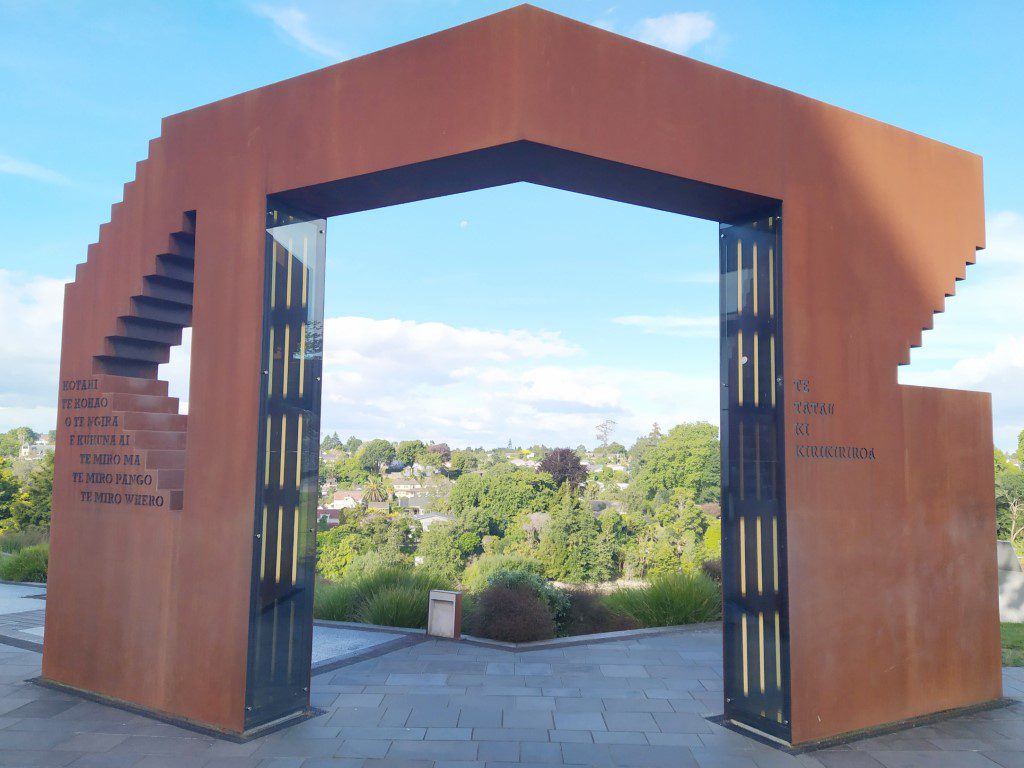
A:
<point x="860" y="583"/>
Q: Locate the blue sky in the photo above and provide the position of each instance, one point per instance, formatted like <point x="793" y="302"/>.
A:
<point x="518" y="312"/>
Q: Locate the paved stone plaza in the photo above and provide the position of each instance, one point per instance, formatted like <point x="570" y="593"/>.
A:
<point x="636" y="702"/>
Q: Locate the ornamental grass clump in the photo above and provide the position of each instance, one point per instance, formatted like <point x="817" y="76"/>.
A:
<point x="400" y="605"/>
<point x="394" y="596"/>
<point x="15" y="541"/>
<point x="669" y="600"/>
<point x="27" y="564"/>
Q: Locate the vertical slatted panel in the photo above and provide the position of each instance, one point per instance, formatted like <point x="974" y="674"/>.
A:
<point x="280" y="638"/>
<point x="753" y="530"/>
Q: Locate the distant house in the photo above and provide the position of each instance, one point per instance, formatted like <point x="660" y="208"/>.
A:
<point x="380" y="506"/>
<point x="427" y="519"/>
<point x="405" y="487"/>
<point x="415" y="502"/>
<point x="329" y="516"/>
<point x="34" y="450"/>
<point x="346" y="499"/>
<point x="523" y="463"/>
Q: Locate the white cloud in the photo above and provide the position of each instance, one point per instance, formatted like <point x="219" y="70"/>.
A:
<point x="402" y="379"/>
<point x="672" y="325"/>
<point x="30" y="350"/>
<point x="977" y="343"/>
<point x="1005" y="236"/>
<point x="678" y="32"/>
<point x="295" y="23"/>
<point x="15" y="167"/>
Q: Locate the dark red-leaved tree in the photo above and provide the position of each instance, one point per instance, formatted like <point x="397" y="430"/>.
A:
<point x="564" y="466"/>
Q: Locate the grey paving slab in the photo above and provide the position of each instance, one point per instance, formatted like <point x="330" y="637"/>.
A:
<point x="638" y="703"/>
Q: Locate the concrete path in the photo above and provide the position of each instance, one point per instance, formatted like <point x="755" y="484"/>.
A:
<point x="23" y="614"/>
<point x="630" y="703"/>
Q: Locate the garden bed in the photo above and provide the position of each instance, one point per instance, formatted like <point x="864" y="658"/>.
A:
<point x="517" y="605"/>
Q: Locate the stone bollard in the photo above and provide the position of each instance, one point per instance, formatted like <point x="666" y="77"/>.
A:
<point x="444" y="615"/>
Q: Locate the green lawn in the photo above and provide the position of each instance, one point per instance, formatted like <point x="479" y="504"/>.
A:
<point x="1013" y="644"/>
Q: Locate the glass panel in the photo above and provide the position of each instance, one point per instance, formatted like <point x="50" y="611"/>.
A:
<point x="753" y="510"/>
<point x="281" y="615"/>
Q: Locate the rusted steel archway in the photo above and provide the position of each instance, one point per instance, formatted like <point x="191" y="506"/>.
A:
<point x="860" y="579"/>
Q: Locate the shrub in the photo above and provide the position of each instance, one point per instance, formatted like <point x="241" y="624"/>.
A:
<point x="515" y="615"/>
<point x="400" y="605"/>
<point x="15" y="541"/>
<point x="556" y="600"/>
<point x="480" y="570"/>
<point x="588" y="614"/>
<point x="671" y="599"/>
<point x="712" y="568"/>
<point x="28" y="564"/>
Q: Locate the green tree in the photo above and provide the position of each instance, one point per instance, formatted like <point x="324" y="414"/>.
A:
<point x="1010" y="506"/>
<point x="10" y="444"/>
<point x="335" y="551"/>
<point x="376" y="489"/>
<point x="490" y="503"/>
<point x="408" y="450"/>
<point x="352" y="444"/>
<point x="445" y="547"/>
<point x="10" y="493"/>
<point x="375" y="454"/>
<point x="687" y="457"/>
<point x="569" y="546"/>
<point x="33" y="511"/>
<point x="464" y="461"/>
<point x="330" y="443"/>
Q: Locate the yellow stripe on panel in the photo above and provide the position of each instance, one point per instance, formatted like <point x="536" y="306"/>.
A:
<point x="778" y="652"/>
<point x="295" y="547"/>
<point x="746" y="689"/>
<point x="288" y="287"/>
<point x="302" y="359"/>
<point x="273" y="273"/>
<point x="266" y="470"/>
<point x="305" y="270"/>
<point x="739" y="368"/>
<point x="772" y="356"/>
<point x="263" y="548"/>
<point x="298" y="456"/>
<point x="270" y="365"/>
<point x="755" y="279"/>
<point x="760" y="646"/>
<point x="757" y="460"/>
<point x="284" y="365"/>
<point x="284" y="432"/>
<point x="757" y="371"/>
<point x="775" y="553"/>
<point x="739" y="277"/>
<point x="760" y="583"/>
<point x="280" y="526"/>
<point x="771" y="282"/>
<point x="743" y="557"/>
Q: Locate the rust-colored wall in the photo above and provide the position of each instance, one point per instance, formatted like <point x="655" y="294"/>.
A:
<point x="151" y="605"/>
